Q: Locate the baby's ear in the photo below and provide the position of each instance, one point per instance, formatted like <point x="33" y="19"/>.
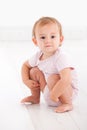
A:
<point x="34" y="41"/>
<point x="61" y="40"/>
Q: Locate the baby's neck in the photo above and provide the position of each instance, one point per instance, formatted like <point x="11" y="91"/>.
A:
<point x="46" y="55"/>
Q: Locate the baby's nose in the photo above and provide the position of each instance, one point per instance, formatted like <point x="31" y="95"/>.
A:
<point x="48" y="39"/>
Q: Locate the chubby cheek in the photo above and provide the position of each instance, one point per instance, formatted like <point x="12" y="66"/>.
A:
<point x="56" y="45"/>
<point x="41" y="46"/>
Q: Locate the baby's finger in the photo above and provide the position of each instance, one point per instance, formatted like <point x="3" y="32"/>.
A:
<point x="36" y="84"/>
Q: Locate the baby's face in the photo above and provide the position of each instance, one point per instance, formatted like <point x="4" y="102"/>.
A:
<point x="48" y="38"/>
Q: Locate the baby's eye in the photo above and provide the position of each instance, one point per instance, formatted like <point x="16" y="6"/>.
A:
<point x="52" y="36"/>
<point x="42" y="37"/>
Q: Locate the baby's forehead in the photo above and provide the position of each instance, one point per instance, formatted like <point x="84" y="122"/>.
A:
<point x="50" y="23"/>
<point x="40" y="26"/>
<point x="49" y="27"/>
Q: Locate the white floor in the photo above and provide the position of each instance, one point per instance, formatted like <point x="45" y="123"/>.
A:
<point x="15" y="116"/>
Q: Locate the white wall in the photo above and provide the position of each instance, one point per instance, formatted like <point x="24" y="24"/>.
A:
<point x="18" y="15"/>
<point x="25" y="12"/>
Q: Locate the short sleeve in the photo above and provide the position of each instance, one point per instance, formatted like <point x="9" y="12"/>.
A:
<point x="63" y="61"/>
<point x="33" y="60"/>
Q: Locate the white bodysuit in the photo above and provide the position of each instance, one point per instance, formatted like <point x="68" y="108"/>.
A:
<point x="53" y="65"/>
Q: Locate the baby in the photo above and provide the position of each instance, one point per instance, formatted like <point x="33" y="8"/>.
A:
<point x="50" y="69"/>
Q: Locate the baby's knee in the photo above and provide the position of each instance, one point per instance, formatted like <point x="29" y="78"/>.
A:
<point x="52" y="80"/>
<point x="34" y="71"/>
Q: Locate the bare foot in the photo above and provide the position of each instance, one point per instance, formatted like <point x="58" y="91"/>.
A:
<point x="64" y="108"/>
<point x="30" y="99"/>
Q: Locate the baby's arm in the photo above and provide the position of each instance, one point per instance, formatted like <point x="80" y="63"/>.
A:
<point x="25" y="72"/>
<point x="62" y="84"/>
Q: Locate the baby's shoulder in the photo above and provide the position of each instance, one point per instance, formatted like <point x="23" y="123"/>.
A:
<point x="60" y="53"/>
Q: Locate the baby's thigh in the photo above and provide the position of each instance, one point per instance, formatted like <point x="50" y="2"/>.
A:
<point x="52" y="80"/>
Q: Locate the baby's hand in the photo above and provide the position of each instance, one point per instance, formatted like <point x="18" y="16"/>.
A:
<point x="32" y="84"/>
<point x="53" y="97"/>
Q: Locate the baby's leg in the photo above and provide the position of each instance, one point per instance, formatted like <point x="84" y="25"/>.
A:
<point x="52" y="80"/>
<point x="65" y="98"/>
<point x="36" y="75"/>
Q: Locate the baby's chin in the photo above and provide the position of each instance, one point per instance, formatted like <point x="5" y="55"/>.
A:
<point x="50" y="50"/>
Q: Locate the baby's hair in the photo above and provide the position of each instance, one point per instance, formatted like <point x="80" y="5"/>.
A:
<point x="46" y="20"/>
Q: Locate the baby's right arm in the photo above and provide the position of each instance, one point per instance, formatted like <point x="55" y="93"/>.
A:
<point x="25" y="72"/>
